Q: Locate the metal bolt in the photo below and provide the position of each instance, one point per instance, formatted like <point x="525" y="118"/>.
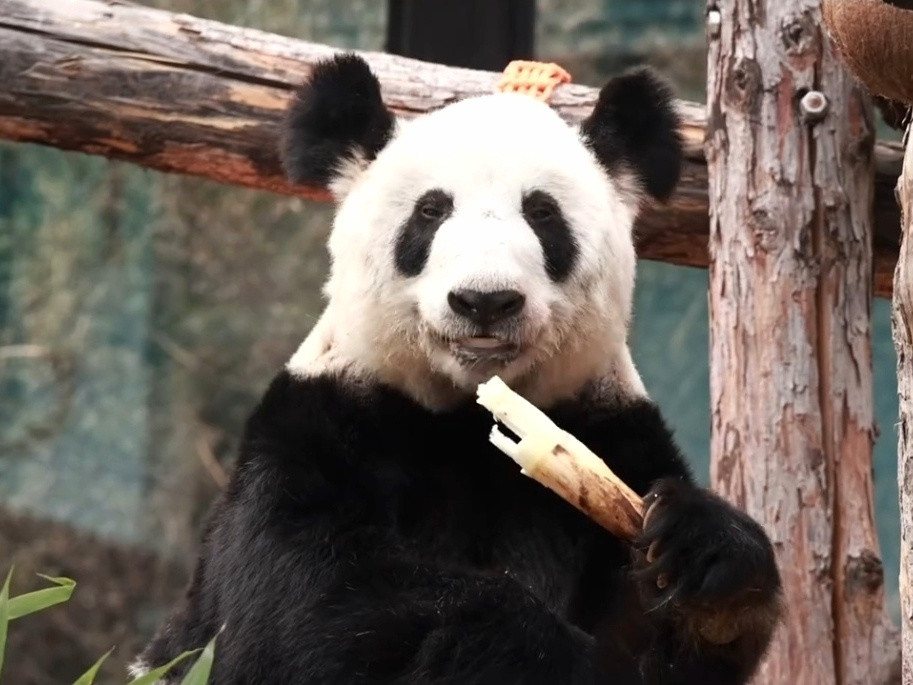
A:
<point x="714" y="22"/>
<point x="813" y="105"/>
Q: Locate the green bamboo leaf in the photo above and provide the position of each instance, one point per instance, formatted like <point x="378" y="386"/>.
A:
<point x="153" y="676"/>
<point x="31" y="602"/>
<point x="199" y="672"/>
<point x="88" y="677"/>
<point x="4" y="614"/>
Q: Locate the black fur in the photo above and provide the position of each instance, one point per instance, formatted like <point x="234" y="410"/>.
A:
<point x="543" y="214"/>
<point x="338" y="112"/>
<point x="365" y="539"/>
<point x="634" y="122"/>
<point x="413" y="243"/>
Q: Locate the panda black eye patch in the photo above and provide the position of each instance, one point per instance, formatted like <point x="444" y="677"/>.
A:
<point x="415" y="235"/>
<point x="543" y="214"/>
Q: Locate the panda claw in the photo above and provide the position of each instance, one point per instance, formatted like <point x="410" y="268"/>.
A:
<point x="651" y="510"/>
<point x="652" y="551"/>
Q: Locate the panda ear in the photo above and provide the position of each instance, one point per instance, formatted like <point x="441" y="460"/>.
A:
<point x="337" y="118"/>
<point x="634" y="124"/>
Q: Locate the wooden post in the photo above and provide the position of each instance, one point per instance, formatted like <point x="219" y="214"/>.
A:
<point x="874" y="41"/>
<point x="789" y="152"/>
<point x="903" y="341"/>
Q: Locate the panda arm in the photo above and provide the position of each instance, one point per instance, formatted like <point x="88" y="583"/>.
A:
<point x="704" y="572"/>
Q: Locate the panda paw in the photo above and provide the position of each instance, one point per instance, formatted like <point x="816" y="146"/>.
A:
<point x="707" y="564"/>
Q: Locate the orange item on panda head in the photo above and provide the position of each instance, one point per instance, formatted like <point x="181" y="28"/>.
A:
<point x="536" y="79"/>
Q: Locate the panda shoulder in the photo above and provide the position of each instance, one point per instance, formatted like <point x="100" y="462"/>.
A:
<point x="310" y="429"/>
<point x="629" y="431"/>
<point x="602" y="402"/>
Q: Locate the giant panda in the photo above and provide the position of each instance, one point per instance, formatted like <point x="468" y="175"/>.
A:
<point x="370" y="533"/>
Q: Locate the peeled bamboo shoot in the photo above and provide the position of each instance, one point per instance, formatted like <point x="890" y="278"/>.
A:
<point x="560" y="462"/>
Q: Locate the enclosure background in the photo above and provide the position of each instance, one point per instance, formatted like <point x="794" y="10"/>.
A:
<point x="142" y="314"/>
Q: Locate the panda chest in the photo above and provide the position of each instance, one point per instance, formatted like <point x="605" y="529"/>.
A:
<point x="459" y="499"/>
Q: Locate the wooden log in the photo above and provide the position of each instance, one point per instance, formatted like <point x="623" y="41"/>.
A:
<point x="186" y="95"/>
<point x="790" y="358"/>
<point x="902" y="316"/>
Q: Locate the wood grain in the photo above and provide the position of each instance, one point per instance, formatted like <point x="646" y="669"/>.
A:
<point x="903" y="343"/>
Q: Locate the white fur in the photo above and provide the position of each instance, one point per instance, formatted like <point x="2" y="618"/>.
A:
<point x="140" y="668"/>
<point x="486" y="152"/>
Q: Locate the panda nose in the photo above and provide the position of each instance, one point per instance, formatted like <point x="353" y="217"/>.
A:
<point x="486" y="308"/>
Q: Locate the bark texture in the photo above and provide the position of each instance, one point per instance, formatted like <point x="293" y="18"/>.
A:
<point x="903" y="342"/>
<point x="791" y="228"/>
<point x="191" y="96"/>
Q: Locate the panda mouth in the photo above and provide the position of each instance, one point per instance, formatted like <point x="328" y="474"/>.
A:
<point x="477" y="348"/>
<point x="482" y="343"/>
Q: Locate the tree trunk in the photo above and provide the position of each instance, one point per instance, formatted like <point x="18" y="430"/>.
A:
<point x="903" y="342"/>
<point x="791" y="372"/>
<point x="186" y="95"/>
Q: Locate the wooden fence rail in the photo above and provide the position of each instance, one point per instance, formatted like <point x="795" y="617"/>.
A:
<point x="181" y="94"/>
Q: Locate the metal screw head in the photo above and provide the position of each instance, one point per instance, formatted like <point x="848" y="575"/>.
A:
<point x="714" y="22"/>
<point x="813" y="105"/>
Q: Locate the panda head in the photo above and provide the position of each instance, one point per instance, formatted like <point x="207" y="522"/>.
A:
<point x="487" y="237"/>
